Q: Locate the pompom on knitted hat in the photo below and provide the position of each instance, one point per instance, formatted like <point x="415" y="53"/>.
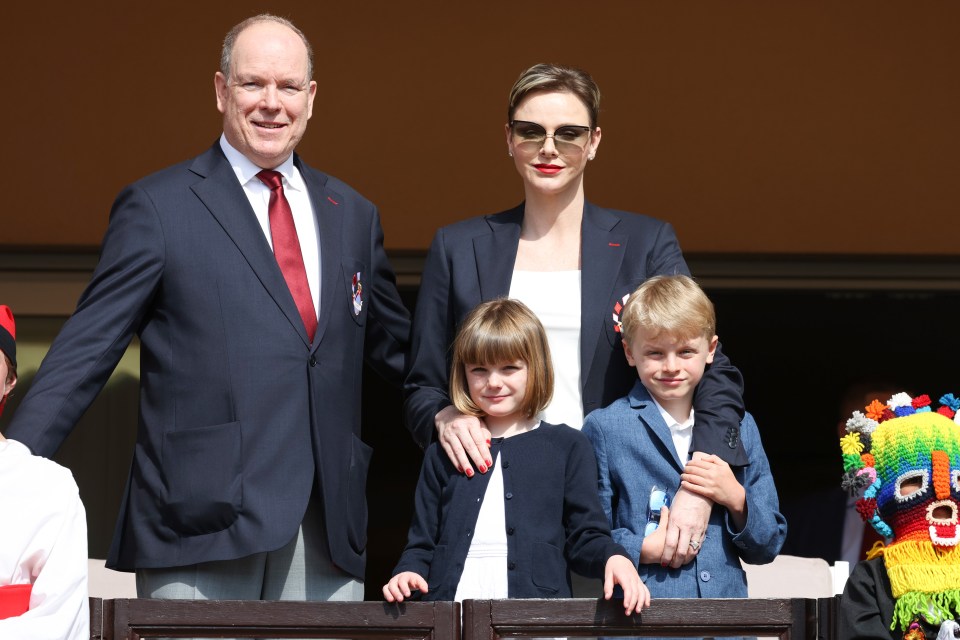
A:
<point x="902" y="457"/>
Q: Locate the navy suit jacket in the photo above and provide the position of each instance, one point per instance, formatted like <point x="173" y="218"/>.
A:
<point x="472" y="261"/>
<point x="240" y="415"/>
<point x="552" y="515"/>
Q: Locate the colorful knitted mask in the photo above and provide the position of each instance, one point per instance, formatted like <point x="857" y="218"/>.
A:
<point x="905" y="458"/>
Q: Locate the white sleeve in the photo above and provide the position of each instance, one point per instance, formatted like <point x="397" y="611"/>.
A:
<point x="59" y="607"/>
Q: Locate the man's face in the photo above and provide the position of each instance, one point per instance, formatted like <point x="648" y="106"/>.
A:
<point x="268" y="98"/>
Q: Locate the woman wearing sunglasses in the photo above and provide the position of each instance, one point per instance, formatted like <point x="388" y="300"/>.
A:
<point x="573" y="263"/>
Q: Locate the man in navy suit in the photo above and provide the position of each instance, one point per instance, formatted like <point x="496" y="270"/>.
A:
<point x="248" y="479"/>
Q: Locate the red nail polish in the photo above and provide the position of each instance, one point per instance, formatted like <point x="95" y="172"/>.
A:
<point x="489" y="463"/>
<point x="469" y="473"/>
<point x="488" y="442"/>
<point x="483" y="469"/>
<point x="459" y="468"/>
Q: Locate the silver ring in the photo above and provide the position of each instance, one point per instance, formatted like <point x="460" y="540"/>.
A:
<point x="694" y="545"/>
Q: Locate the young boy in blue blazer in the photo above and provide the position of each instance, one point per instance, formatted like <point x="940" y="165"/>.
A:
<point x="642" y="446"/>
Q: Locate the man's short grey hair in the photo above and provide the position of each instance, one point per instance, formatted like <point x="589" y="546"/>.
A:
<point x="230" y="40"/>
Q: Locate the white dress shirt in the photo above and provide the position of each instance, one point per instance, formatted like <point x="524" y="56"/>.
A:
<point x="682" y="433"/>
<point x="295" y="189"/>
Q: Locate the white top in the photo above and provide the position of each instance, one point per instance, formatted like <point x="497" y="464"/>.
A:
<point x="44" y="542"/>
<point x="484" y="573"/>
<point x="682" y="433"/>
<point x="295" y="190"/>
<point x="554" y="296"/>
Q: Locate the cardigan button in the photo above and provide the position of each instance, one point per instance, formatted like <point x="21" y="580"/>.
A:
<point x="705" y="576"/>
<point x="506" y="464"/>
<point x="508" y="496"/>
<point x="511" y="566"/>
<point x="510" y="531"/>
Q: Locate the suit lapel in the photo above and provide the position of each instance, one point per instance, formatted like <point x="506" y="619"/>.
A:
<point x="223" y="196"/>
<point x="602" y="253"/>
<point x="327" y="206"/>
<point x="653" y="422"/>
<point x="496" y="253"/>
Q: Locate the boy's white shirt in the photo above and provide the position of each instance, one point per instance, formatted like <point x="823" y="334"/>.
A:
<point x="682" y="433"/>
<point x="44" y="544"/>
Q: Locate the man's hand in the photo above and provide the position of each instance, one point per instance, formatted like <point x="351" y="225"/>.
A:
<point x="620" y="570"/>
<point x="465" y="439"/>
<point x="689" y="515"/>
<point x="402" y="585"/>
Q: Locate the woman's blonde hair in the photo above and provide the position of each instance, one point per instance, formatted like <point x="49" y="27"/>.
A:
<point x="499" y="331"/>
<point x="673" y="305"/>
<point x="555" y="77"/>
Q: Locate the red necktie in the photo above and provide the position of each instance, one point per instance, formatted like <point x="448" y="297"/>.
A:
<point x="286" y="248"/>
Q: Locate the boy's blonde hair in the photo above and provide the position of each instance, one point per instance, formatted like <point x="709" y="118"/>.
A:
<point x="673" y="305"/>
<point x="498" y="331"/>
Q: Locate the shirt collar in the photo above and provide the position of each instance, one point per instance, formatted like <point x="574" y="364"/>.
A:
<point x="675" y="426"/>
<point x="247" y="170"/>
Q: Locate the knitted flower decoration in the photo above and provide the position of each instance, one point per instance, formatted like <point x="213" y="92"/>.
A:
<point x="904" y="457"/>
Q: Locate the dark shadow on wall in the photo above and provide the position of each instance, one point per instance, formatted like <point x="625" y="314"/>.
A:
<point x="799" y="351"/>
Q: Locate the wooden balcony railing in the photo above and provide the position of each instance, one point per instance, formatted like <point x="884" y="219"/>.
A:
<point x="789" y="619"/>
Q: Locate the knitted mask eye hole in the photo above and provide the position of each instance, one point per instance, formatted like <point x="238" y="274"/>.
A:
<point x="955" y="480"/>
<point x="910" y="485"/>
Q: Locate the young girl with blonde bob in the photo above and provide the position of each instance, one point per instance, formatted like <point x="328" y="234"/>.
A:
<point x="517" y="530"/>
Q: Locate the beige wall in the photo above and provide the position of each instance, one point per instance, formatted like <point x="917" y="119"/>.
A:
<point x="754" y="126"/>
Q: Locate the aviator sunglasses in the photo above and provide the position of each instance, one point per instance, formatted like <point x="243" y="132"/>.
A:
<point x="569" y="139"/>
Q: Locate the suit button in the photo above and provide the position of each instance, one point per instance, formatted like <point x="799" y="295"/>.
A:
<point x="511" y="566"/>
<point x="510" y="531"/>
<point x="508" y="496"/>
<point x="313" y="361"/>
<point x="506" y="464"/>
<point x="705" y="576"/>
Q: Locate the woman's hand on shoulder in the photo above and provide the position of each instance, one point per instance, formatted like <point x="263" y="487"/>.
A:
<point x="620" y="570"/>
<point x="402" y="585"/>
<point x="465" y="439"/>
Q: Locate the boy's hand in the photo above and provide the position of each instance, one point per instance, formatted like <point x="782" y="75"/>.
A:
<point x="620" y="570"/>
<point x="711" y="477"/>
<point x="402" y="584"/>
<point x="651" y="551"/>
<point x="688" y="524"/>
<point x="465" y="439"/>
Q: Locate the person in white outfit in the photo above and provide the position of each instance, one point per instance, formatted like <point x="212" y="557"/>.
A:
<point x="43" y="558"/>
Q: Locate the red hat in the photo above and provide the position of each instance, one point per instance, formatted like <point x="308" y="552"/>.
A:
<point x="8" y="334"/>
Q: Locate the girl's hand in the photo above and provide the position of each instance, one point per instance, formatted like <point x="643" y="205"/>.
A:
<point x="402" y="584"/>
<point x="620" y="570"/>
<point x="465" y="439"/>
